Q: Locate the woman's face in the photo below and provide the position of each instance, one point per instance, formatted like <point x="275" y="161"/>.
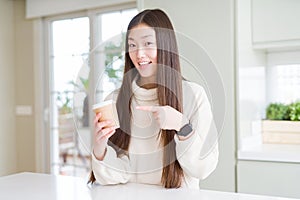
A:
<point x="143" y="51"/>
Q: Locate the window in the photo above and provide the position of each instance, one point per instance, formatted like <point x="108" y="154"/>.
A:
<point x="111" y="48"/>
<point x="277" y="82"/>
<point x="283" y="83"/>
<point x="70" y="46"/>
<point x="72" y="56"/>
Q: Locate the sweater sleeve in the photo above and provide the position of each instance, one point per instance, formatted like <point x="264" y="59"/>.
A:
<point x="198" y="155"/>
<point x="112" y="169"/>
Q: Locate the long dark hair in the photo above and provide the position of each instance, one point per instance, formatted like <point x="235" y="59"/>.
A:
<point x="169" y="92"/>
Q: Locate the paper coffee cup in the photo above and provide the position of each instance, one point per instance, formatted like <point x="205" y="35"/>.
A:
<point x="108" y="111"/>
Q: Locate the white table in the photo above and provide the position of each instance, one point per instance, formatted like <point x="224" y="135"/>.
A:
<point x="34" y="186"/>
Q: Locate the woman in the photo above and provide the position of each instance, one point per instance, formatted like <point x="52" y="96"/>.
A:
<point x="164" y="120"/>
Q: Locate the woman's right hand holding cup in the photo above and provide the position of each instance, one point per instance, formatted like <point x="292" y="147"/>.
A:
<point x="102" y="132"/>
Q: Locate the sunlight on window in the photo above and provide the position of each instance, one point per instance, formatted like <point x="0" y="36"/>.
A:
<point x="70" y="47"/>
<point x="115" y="23"/>
<point x="285" y="83"/>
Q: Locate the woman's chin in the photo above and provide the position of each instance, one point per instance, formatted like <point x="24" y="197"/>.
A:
<point x="146" y="76"/>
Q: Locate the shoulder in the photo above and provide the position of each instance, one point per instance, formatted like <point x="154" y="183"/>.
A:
<point x="193" y="93"/>
<point x="113" y="95"/>
<point x="192" y="88"/>
<point x="194" y="98"/>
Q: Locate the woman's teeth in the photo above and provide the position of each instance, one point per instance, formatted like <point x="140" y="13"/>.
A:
<point x="144" y="63"/>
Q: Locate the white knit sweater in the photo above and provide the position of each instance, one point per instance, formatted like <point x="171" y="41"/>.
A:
<point x="197" y="155"/>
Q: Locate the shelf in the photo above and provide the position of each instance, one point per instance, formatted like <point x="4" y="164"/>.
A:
<point x="269" y="152"/>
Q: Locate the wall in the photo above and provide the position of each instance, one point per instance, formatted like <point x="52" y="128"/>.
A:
<point x="250" y="71"/>
<point x="8" y="152"/>
<point x="24" y="75"/>
<point x="38" y="8"/>
<point x="211" y="24"/>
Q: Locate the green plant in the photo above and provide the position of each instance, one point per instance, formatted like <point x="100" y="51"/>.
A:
<point x="278" y="111"/>
<point x="295" y="111"/>
<point x="114" y="60"/>
<point x="63" y="102"/>
<point x="83" y="81"/>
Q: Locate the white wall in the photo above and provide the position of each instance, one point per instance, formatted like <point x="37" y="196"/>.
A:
<point x="210" y="24"/>
<point x="8" y="161"/>
<point x="250" y="72"/>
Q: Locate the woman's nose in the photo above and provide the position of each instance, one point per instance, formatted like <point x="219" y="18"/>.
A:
<point x="140" y="52"/>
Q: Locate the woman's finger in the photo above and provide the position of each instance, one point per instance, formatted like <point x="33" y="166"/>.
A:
<point x="102" y="124"/>
<point x="105" y="132"/>
<point x="97" y="118"/>
<point x="100" y="127"/>
<point x="109" y="134"/>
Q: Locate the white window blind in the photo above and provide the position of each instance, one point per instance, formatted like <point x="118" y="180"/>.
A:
<point x="283" y="77"/>
<point x="284" y="83"/>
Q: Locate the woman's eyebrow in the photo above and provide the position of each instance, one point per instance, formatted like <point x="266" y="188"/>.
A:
<point x="143" y="37"/>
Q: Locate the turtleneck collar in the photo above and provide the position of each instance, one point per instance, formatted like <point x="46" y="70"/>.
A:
<point x="143" y="94"/>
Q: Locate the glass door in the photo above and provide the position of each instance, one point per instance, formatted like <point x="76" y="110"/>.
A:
<point x="85" y="64"/>
<point x="68" y="60"/>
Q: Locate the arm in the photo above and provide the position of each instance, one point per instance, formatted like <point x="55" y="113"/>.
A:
<point x="107" y="167"/>
<point x="112" y="169"/>
<point x="198" y="154"/>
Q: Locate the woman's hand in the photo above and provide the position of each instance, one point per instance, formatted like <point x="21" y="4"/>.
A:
<point x="167" y="117"/>
<point x="101" y="136"/>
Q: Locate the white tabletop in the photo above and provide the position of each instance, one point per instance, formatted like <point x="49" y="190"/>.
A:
<point x="34" y="186"/>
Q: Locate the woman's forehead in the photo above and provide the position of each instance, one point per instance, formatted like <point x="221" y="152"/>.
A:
<point x="141" y="31"/>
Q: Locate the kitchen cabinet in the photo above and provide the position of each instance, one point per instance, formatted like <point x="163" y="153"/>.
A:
<point x="268" y="178"/>
<point x="275" y="24"/>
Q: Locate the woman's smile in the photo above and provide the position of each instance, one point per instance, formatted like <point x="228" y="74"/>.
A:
<point x="144" y="64"/>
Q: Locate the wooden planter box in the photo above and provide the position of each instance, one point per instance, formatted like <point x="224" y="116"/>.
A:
<point x="281" y="132"/>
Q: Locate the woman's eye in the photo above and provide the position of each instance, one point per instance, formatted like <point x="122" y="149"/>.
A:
<point x="131" y="45"/>
<point x="149" y="43"/>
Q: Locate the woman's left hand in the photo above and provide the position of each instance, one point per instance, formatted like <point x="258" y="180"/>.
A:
<point x="167" y="117"/>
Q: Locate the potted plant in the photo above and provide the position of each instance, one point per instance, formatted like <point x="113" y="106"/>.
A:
<point x="282" y="123"/>
<point x="294" y="111"/>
